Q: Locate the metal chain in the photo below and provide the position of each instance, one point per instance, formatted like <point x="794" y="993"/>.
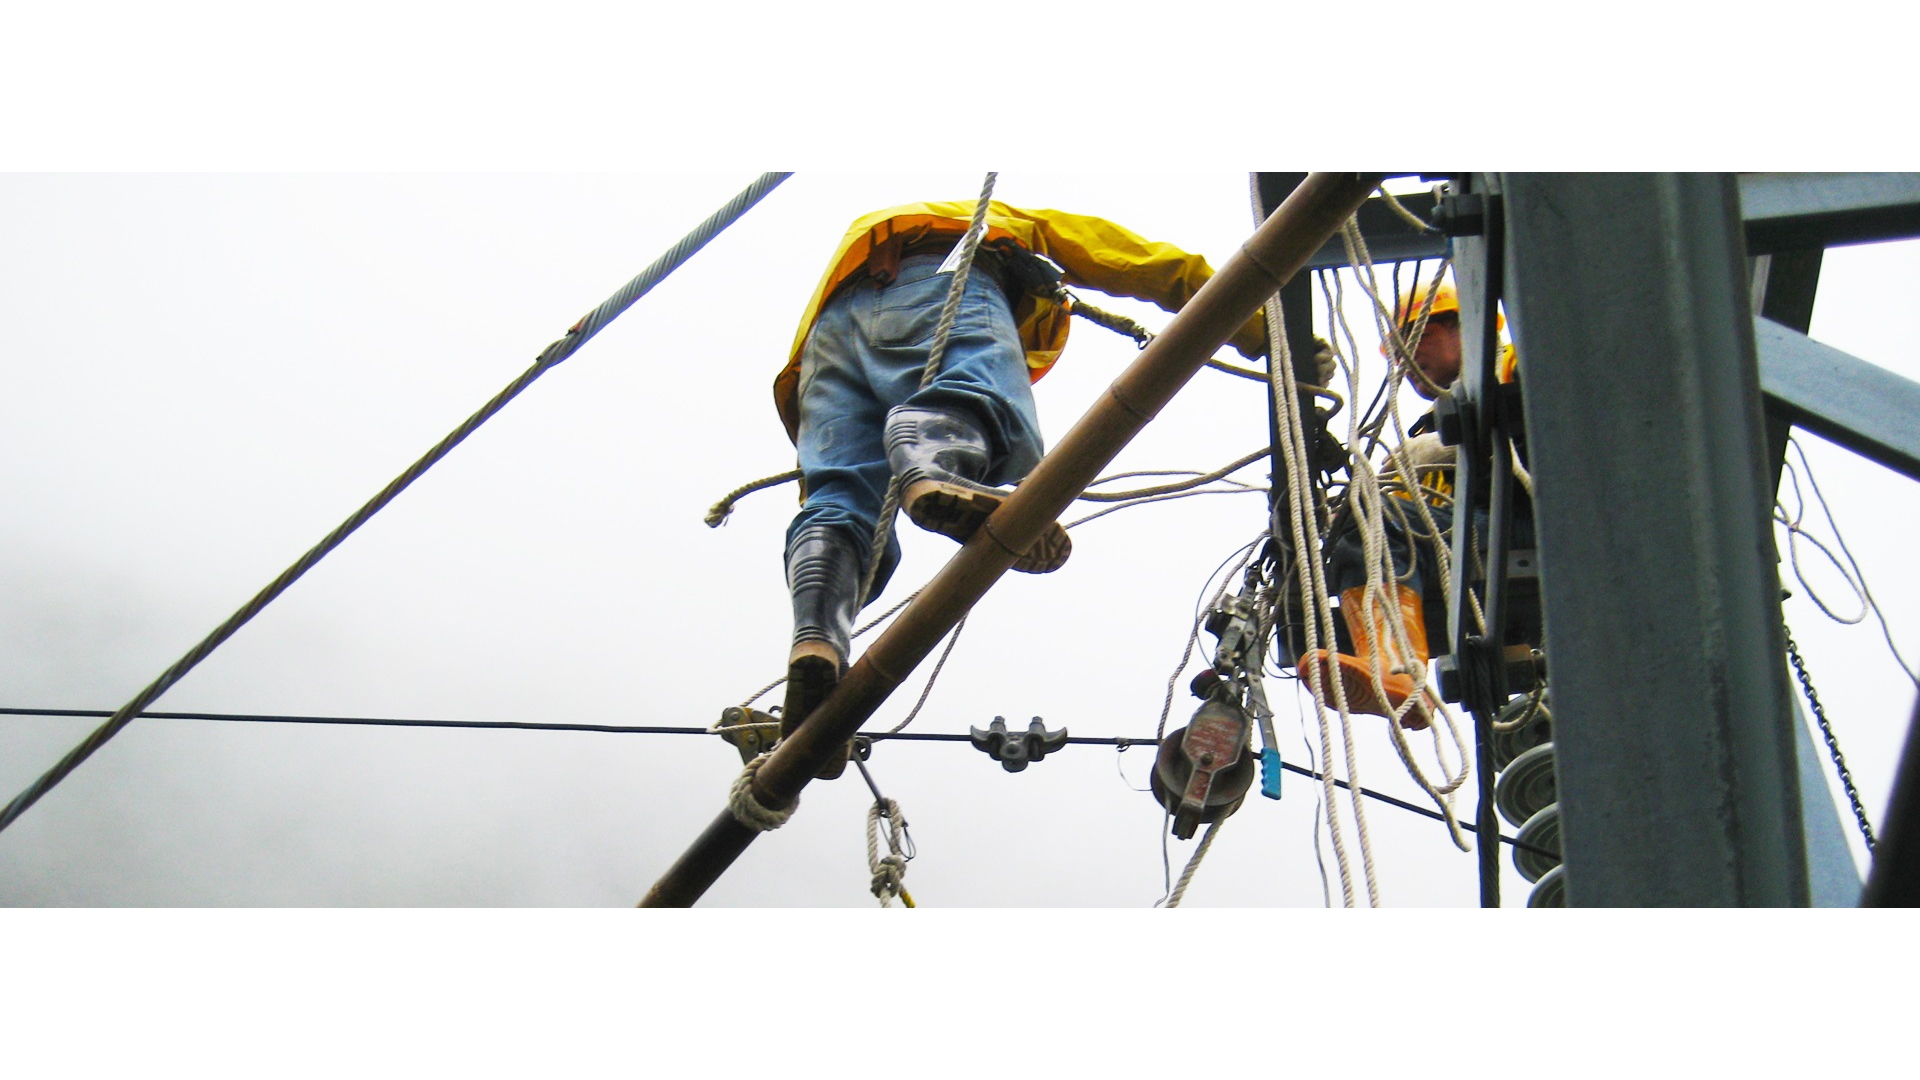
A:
<point x="1826" y="732"/>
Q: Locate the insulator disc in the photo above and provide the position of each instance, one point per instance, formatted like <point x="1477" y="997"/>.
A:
<point x="1542" y="830"/>
<point x="1527" y="785"/>
<point x="1552" y="890"/>
<point x="1507" y="745"/>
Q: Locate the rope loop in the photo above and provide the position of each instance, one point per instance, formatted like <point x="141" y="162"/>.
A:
<point x="748" y="810"/>
<point x="889" y="871"/>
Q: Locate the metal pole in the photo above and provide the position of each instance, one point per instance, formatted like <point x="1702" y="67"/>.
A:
<point x="1483" y="475"/>
<point x="1672" y="717"/>
<point x="1894" y="880"/>
<point x="1271" y="256"/>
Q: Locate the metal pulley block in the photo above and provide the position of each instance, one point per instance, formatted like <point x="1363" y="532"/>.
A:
<point x="1527" y="785"/>
<point x="1016" y="751"/>
<point x="751" y="731"/>
<point x="1203" y="771"/>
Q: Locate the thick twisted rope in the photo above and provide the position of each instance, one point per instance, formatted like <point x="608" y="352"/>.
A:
<point x="1303" y="523"/>
<point x="718" y="513"/>
<point x="1119" y="324"/>
<point x="551" y="356"/>
<point x="949" y="311"/>
<point x="748" y="810"/>
<point x="1370" y="510"/>
<point x="1406" y="215"/>
<point x="1193" y="864"/>
<point x="1183" y="485"/>
<point x="889" y="871"/>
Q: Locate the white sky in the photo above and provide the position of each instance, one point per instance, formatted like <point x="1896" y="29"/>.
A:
<point x="205" y="374"/>
<point x="209" y="372"/>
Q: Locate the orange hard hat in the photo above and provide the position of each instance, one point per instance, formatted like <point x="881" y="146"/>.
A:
<point x="1445" y="299"/>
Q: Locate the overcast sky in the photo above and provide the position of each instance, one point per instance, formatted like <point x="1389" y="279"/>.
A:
<point x="206" y="373"/>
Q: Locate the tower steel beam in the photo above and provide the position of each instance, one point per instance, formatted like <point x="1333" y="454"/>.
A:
<point x="1784" y="285"/>
<point x="1861" y="406"/>
<point x="1672" y="715"/>
<point x="1797" y="211"/>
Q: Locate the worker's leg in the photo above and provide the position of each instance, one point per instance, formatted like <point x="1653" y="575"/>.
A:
<point x="842" y="457"/>
<point x="844" y="464"/>
<point x="983" y="372"/>
<point x="1374" y="638"/>
<point x="974" y="425"/>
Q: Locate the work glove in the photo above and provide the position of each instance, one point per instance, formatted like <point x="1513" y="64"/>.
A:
<point x="1251" y="340"/>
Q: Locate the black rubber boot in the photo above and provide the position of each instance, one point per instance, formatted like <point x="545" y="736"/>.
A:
<point x="940" y="458"/>
<point x="823" y="574"/>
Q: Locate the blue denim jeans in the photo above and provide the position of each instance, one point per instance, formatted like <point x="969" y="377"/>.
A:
<point x="865" y="356"/>
<point x="1346" y="557"/>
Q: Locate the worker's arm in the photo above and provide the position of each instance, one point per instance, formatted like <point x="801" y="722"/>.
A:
<point x="1098" y="254"/>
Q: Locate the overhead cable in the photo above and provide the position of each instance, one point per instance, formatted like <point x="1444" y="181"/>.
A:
<point x="1120" y="742"/>
<point x="576" y="336"/>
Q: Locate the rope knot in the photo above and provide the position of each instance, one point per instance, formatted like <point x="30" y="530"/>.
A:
<point x="748" y="810"/>
<point x="891" y="872"/>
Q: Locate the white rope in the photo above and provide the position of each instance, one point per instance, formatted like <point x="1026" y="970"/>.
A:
<point x="1795" y="532"/>
<point x="1237" y="488"/>
<point x="1405" y="214"/>
<point x="1886" y="631"/>
<point x="748" y="810"/>
<point x="1520" y="472"/>
<point x="889" y="871"/>
<point x="1243" y="555"/>
<point x="1370" y="508"/>
<point x="953" y="638"/>
<point x="1323" y="606"/>
<point x="1303" y="524"/>
<point x="1193" y="864"/>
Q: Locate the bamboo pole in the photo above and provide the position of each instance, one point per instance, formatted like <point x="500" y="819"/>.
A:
<point x="1275" y="252"/>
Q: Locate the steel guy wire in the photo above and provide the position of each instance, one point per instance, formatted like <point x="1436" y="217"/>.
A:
<point x="1121" y="743"/>
<point x="551" y="356"/>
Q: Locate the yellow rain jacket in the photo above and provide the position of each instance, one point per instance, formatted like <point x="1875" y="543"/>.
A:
<point x="1095" y="254"/>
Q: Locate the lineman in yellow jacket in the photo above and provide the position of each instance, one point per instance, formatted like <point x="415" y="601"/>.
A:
<point x="851" y="399"/>
<point x="1432" y="367"/>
